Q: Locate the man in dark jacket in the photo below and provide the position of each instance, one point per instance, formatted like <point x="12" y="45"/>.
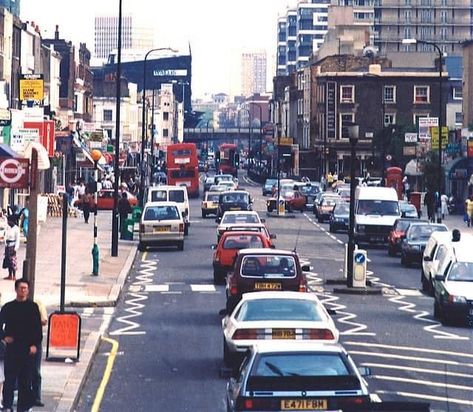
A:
<point x="23" y="335"/>
<point x="124" y="209"/>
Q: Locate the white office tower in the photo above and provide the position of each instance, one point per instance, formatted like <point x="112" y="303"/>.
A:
<point x="253" y="72"/>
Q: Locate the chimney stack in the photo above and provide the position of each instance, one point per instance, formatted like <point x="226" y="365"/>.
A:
<point x="56" y="33"/>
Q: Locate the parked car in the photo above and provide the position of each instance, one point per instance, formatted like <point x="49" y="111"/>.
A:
<point x="105" y="199"/>
<point x="323" y="208"/>
<point x="303" y="376"/>
<point x="268" y="186"/>
<point x="265" y="269"/>
<point x="408" y="210"/>
<point x="340" y="217"/>
<point x="398" y="231"/>
<point x="161" y="224"/>
<point x="209" y="205"/>
<point x="275" y="316"/>
<point x="233" y="200"/>
<point x="415" y="239"/>
<point x="228" y="246"/>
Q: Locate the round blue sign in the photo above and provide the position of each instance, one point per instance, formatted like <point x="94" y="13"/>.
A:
<point x="360" y="258"/>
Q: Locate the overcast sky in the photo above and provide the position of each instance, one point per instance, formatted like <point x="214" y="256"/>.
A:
<point x="217" y="30"/>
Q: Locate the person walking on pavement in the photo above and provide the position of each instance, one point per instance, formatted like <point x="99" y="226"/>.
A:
<point x="23" y="335"/>
<point x="87" y="203"/>
<point x="12" y="244"/>
<point x="429" y="201"/>
<point x="469" y="210"/>
<point x="444" y="205"/>
<point x="124" y="208"/>
<point x="36" y="375"/>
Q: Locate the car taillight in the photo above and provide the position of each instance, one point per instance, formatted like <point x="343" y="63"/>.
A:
<point x="245" y="334"/>
<point x="181" y="227"/>
<point x="352" y="401"/>
<point x="233" y="286"/>
<point x="319" y="334"/>
<point x="302" y="287"/>
<point x="142" y="228"/>
<point x="253" y="404"/>
<point x="217" y="257"/>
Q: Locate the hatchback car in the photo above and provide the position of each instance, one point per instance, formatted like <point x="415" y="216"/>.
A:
<point x="310" y="190"/>
<point x="415" y="239"/>
<point x="280" y="376"/>
<point x="236" y="218"/>
<point x="161" y="224"/>
<point x="275" y="316"/>
<point x="323" y="208"/>
<point x="210" y="204"/>
<point x="268" y="186"/>
<point x="265" y="269"/>
<point x="227" y="249"/>
<point x="398" y="231"/>
<point x="233" y="201"/>
<point x="340" y="217"/>
<point x="408" y="210"/>
<point x="209" y="181"/>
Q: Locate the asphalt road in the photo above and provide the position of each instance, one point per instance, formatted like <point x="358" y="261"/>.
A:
<point x="170" y="344"/>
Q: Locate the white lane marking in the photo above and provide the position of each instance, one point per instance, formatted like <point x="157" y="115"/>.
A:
<point x="375" y="398"/>
<point x="316" y="224"/>
<point x="340" y="242"/>
<point x="409" y="348"/>
<point x="409" y="292"/>
<point x="203" y="288"/>
<point x="172" y="292"/>
<point x="423" y="382"/>
<point x="157" y="288"/>
<point x="411" y="358"/>
<point x="420" y="370"/>
<point x="421" y="315"/>
<point x="427" y="397"/>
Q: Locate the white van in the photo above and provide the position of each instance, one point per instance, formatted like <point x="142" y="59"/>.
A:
<point x="168" y="193"/>
<point x="376" y="210"/>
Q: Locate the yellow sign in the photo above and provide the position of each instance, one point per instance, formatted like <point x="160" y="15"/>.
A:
<point x="434" y="132"/>
<point x="32" y="87"/>
<point x="285" y="141"/>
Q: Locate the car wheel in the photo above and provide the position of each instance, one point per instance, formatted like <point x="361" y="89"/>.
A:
<point x="204" y="214"/>
<point x="218" y="278"/>
<point x="319" y="219"/>
<point x="444" y="319"/>
<point x="436" y="310"/>
<point x="180" y="245"/>
<point x="186" y="229"/>
<point x="141" y="247"/>
<point x="231" y="303"/>
<point x="228" y="357"/>
<point x="391" y="251"/>
<point x="403" y="260"/>
<point x="424" y="282"/>
<point x="331" y="229"/>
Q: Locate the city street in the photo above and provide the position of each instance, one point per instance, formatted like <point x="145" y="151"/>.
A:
<point x="170" y="345"/>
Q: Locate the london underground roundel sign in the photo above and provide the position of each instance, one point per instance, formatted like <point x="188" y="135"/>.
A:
<point x="14" y="172"/>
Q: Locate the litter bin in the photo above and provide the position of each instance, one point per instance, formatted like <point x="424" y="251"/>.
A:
<point x="415" y="199"/>
<point x="127" y="230"/>
<point x="136" y="213"/>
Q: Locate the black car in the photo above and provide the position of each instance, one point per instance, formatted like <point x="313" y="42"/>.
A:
<point x="209" y="181"/>
<point x="339" y="219"/>
<point x="268" y="185"/>
<point x="233" y="200"/>
<point x="310" y="190"/>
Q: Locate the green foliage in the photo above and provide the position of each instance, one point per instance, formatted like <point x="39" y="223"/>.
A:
<point x="430" y="167"/>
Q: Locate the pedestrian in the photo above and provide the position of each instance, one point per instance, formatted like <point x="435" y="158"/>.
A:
<point x="87" y="203"/>
<point x="407" y="188"/>
<point x="469" y="210"/>
<point x="25" y="219"/>
<point x="124" y="208"/>
<point x="329" y="179"/>
<point x="444" y="205"/>
<point x="429" y="202"/>
<point x="70" y="193"/>
<point x="12" y="244"/>
<point x="36" y="374"/>
<point x="23" y="335"/>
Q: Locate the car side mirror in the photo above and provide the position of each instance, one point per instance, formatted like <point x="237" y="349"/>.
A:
<point x="223" y="312"/>
<point x="218" y="220"/>
<point x="213" y="247"/>
<point x="427" y="259"/>
<point x="306" y="268"/>
<point x="365" y="371"/>
<point x="403" y="237"/>
<point x="263" y="220"/>
<point x="439" y="278"/>
<point x="272" y="247"/>
<point x="403" y="214"/>
<point x="272" y="236"/>
<point x="331" y="312"/>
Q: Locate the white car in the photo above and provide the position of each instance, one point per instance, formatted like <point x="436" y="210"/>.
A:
<point x="161" y="224"/>
<point x="240" y="217"/>
<point x="291" y="316"/>
<point x="227" y="184"/>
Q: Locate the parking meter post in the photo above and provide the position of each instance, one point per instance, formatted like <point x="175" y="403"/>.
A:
<point x="95" y="248"/>
<point x="65" y="211"/>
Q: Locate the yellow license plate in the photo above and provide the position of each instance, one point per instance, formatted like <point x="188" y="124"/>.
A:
<point x="235" y="208"/>
<point x="303" y="404"/>
<point x="267" y="286"/>
<point x="284" y="334"/>
<point x="162" y="228"/>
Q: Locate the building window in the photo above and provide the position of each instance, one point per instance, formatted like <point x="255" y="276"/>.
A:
<point x="165" y="116"/>
<point x="345" y="119"/>
<point x="389" y="94"/>
<point x="165" y="133"/>
<point x="389" y="119"/>
<point x="457" y="93"/>
<point x="109" y="133"/>
<point x="107" y="115"/>
<point x="458" y="117"/>
<point x="416" y="117"/>
<point x="421" y="94"/>
<point x="347" y="94"/>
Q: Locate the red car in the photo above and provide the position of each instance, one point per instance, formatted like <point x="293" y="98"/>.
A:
<point x="397" y="232"/>
<point x="227" y="250"/>
<point x="264" y="269"/>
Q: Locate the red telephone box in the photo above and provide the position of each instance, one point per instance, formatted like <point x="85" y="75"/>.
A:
<point x="394" y="179"/>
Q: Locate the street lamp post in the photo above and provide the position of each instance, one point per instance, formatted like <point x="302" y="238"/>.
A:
<point x="440" y="120"/>
<point x="96" y="155"/>
<point x="353" y="131"/>
<point x="143" y="119"/>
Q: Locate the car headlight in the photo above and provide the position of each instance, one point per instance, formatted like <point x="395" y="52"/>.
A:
<point x="456" y="299"/>
<point x="413" y="247"/>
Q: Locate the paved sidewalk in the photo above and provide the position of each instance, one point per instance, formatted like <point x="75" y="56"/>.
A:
<point x="62" y="382"/>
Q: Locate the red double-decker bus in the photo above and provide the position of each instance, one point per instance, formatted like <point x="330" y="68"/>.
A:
<point x="228" y="159"/>
<point x="183" y="167"/>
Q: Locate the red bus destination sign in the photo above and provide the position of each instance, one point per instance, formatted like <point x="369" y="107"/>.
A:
<point x="14" y="172"/>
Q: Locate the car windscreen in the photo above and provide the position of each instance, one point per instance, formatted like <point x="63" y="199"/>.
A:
<point x="268" y="266"/>
<point x="159" y="195"/>
<point x="378" y="207"/>
<point x="176" y="196"/>
<point x="310" y="190"/>
<point x="279" y="309"/>
<point x="212" y="197"/>
<point x="223" y="178"/>
<point x="341" y="210"/>
<point x="235" y="198"/>
<point x="161" y="213"/>
<point x="423" y="232"/>
<point x="242" y="242"/>
<point x="402" y="225"/>
<point x="240" y="218"/>
<point x="329" y="201"/>
<point x="270" y="182"/>
<point x="461" y="272"/>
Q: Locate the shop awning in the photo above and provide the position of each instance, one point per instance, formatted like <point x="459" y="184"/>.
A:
<point x="7" y="151"/>
<point x="412" y="168"/>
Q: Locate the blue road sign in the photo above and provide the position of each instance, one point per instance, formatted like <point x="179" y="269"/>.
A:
<point x="360" y="258"/>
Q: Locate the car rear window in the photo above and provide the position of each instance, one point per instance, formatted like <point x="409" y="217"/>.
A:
<point x="268" y="266"/>
<point x="279" y="309"/>
<point x="461" y="272"/>
<point x="240" y="218"/>
<point x="176" y="196"/>
<point x="423" y="232"/>
<point x="159" y="196"/>
<point x="212" y="197"/>
<point x="300" y="364"/>
<point x="402" y="225"/>
<point x="161" y="213"/>
<point x="242" y="242"/>
<point x="235" y="197"/>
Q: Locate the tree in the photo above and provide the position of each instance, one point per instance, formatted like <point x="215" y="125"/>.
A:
<point x="429" y="167"/>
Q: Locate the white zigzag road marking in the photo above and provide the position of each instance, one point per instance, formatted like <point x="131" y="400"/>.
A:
<point x="144" y="277"/>
<point x="420" y="315"/>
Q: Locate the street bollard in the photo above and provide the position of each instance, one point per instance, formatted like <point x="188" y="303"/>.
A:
<point x="95" y="260"/>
